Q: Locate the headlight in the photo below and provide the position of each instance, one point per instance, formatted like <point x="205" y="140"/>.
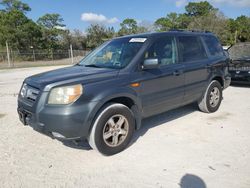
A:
<point x="65" y="94"/>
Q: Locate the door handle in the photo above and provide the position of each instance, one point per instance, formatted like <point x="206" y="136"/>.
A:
<point x="177" y="73"/>
<point x="208" y="66"/>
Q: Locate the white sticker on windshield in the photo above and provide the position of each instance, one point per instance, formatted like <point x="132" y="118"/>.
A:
<point x="138" y="40"/>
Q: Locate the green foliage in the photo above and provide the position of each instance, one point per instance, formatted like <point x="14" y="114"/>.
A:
<point x="97" y="34"/>
<point x="76" y="38"/>
<point x="49" y="31"/>
<point x="128" y="26"/>
<point x="52" y="29"/>
<point x="18" y="30"/>
<point x="172" y="21"/>
<point x="202" y="8"/>
<point x="51" y="21"/>
<point x="243" y="28"/>
<point x="15" y="5"/>
<point x="203" y="16"/>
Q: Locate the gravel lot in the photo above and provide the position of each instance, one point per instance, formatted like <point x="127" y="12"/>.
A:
<point x="180" y="148"/>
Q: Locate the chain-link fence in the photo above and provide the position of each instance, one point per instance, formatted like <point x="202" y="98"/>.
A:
<point x="40" y="57"/>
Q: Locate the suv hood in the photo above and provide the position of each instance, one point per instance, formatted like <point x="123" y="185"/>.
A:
<point x="84" y="74"/>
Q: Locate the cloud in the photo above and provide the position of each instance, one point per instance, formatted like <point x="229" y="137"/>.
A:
<point x="239" y="3"/>
<point x="180" y="3"/>
<point x="61" y="28"/>
<point x="98" y="18"/>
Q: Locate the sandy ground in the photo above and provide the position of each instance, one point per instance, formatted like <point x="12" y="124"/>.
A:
<point x="183" y="147"/>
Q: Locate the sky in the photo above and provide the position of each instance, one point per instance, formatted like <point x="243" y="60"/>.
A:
<point x="79" y="14"/>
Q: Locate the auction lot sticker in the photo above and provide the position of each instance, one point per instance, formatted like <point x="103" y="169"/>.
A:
<point x="138" y="40"/>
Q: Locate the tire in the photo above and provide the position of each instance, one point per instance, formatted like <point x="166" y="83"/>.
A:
<point x="212" y="98"/>
<point x="113" y="129"/>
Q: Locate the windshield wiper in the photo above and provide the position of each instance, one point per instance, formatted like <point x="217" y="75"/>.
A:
<point x="93" y="65"/>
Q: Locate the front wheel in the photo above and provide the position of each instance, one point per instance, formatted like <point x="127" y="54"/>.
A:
<point x="113" y="129"/>
<point x="212" y="99"/>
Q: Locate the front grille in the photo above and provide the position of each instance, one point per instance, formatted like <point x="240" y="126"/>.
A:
<point x="29" y="93"/>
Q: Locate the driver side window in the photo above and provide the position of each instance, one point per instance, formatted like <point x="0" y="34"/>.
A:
<point x="163" y="49"/>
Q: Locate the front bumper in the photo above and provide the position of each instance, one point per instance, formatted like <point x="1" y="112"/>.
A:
<point x="63" y="122"/>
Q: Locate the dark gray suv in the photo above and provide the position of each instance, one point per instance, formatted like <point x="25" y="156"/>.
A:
<point x="105" y="96"/>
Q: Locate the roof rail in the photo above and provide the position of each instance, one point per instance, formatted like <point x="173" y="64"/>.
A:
<point x="185" y="30"/>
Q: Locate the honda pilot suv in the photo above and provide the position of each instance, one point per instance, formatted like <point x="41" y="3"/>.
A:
<point x="105" y="96"/>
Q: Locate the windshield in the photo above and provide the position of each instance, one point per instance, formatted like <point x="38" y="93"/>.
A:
<point x="240" y="51"/>
<point x="115" y="54"/>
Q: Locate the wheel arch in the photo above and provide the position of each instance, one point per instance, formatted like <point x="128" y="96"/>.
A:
<point x="219" y="79"/>
<point x="127" y="99"/>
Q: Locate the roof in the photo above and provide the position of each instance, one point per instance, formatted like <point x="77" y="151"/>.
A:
<point x="171" y="32"/>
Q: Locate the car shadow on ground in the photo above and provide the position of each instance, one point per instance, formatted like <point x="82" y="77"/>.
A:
<point x="240" y="84"/>
<point x="77" y="144"/>
<point x="192" y="181"/>
<point x="147" y="124"/>
<point x="160" y="119"/>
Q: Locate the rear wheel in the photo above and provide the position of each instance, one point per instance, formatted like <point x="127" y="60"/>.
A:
<point x="113" y="129"/>
<point x="212" y="99"/>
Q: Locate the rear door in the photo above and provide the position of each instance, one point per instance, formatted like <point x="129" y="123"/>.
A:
<point x="193" y="56"/>
<point x="162" y="88"/>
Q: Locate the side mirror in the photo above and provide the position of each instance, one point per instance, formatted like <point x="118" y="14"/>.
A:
<point x="150" y="64"/>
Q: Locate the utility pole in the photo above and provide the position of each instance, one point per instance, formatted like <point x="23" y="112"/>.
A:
<point x="71" y="54"/>
<point x="8" y="53"/>
<point x="33" y="53"/>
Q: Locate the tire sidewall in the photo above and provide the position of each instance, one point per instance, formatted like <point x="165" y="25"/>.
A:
<point x="211" y="87"/>
<point x="102" y="118"/>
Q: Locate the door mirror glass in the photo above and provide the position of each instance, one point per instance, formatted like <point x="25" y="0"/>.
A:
<point x="150" y="64"/>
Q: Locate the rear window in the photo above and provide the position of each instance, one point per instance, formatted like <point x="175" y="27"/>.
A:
<point x="191" y="49"/>
<point x="213" y="46"/>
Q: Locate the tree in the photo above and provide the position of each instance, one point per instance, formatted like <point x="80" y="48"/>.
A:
<point x="184" y="20"/>
<point x="214" y="22"/>
<point x="146" y="26"/>
<point x="168" y="22"/>
<point x="14" y="5"/>
<point x="97" y="34"/>
<point x="18" y="30"/>
<point x="242" y="26"/>
<point x="75" y="38"/>
<point x="172" y="21"/>
<point x="128" y="26"/>
<point x="51" y="21"/>
<point x="202" y="8"/>
<point x="52" y="29"/>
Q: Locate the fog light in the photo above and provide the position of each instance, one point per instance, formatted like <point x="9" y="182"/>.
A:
<point x="248" y="72"/>
<point x="57" y="135"/>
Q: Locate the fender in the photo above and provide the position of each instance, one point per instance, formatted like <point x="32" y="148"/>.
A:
<point x="109" y="95"/>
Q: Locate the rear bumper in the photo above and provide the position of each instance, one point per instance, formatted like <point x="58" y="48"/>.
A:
<point x="62" y="122"/>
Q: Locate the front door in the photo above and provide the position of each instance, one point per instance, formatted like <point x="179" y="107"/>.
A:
<point x="162" y="88"/>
